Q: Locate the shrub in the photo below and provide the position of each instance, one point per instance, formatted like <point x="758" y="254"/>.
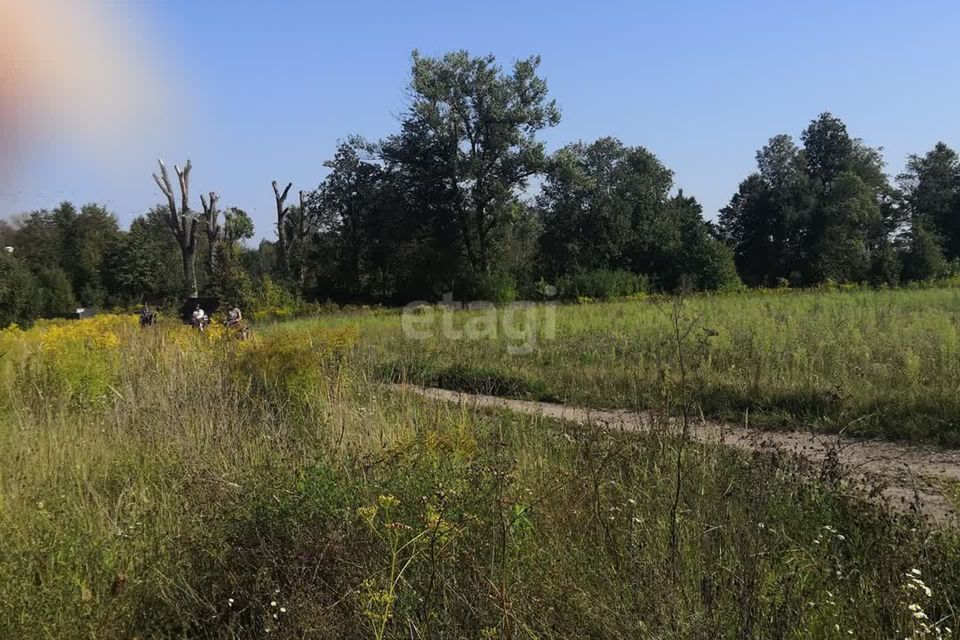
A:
<point x="288" y="362"/>
<point x="717" y="270"/>
<point x="498" y="288"/>
<point x="273" y="301"/>
<point x="69" y="360"/>
<point x="601" y="284"/>
<point x="56" y="293"/>
<point x="18" y="292"/>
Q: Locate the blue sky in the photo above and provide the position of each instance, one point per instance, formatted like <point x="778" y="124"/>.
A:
<point x="263" y="91"/>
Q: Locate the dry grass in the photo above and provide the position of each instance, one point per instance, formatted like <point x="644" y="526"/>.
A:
<point x="870" y="363"/>
<point x="167" y="485"/>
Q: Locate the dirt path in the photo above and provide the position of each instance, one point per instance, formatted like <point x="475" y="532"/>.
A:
<point x="907" y="473"/>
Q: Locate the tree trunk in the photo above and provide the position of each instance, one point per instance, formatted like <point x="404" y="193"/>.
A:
<point x="189" y="272"/>
<point x="210" y="264"/>
<point x="214" y="231"/>
<point x="482" y="265"/>
<point x="182" y="223"/>
<point x="301" y="241"/>
<point x="281" y="250"/>
<point x="283" y="266"/>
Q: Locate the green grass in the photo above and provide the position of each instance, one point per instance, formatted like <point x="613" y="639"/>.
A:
<point x="215" y="479"/>
<point x="869" y="363"/>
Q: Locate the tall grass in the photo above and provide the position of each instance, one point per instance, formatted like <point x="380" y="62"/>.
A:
<point x="201" y="488"/>
<point x="871" y="363"/>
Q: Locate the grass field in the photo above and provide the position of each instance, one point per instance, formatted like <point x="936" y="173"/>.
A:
<point x="869" y="363"/>
<point x="164" y="484"/>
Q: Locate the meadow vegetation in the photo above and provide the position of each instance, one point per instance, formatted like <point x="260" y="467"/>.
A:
<point x="160" y="483"/>
<point x="873" y="363"/>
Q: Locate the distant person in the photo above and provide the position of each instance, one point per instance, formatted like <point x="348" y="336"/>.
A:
<point x="234" y="317"/>
<point x="147" y="316"/>
<point x="199" y="318"/>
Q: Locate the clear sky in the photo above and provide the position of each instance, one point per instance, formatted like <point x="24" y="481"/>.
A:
<point x="253" y="92"/>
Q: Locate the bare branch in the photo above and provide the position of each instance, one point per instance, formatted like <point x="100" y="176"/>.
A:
<point x="184" y="177"/>
<point x="281" y="215"/>
<point x="210" y="214"/>
<point x="163" y="182"/>
<point x="182" y="223"/>
<point x="276" y="192"/>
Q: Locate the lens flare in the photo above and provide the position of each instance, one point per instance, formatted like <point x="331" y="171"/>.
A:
<point x="71" y="69"/>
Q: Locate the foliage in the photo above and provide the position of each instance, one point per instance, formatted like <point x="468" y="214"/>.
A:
<point x="840" y="358"/>
<point x="606" y="207"/>
<point x="931" y="186"/>
<point x="825" y="211"/>
<point x="144" y="263"/>
<point x="924" y="259"/>
<point x="601" y="285"/>
<point x="231" y="281"/>
<point x="237" y="226"/>
<point x="596" y="198"/>
<point x="193" y="500"/>
<point x="498" y="288"/>
<point x="463" y="198"/>
<point x="490" y="119"/>
<point x="55" y="293"/>
<point x="18" y="292"/>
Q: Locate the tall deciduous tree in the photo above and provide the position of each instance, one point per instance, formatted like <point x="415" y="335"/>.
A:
<point x="181" y="221"/>
<point x="828" y="148"/>
<point x="931" y="187"/>
<point x="485" y="123"/>
<point x="826" y="211"/>
<point x="92" y="232"/>
<point x="594" y="199"/>
<point x="144" y="264"/>
<point x="606" y="206"/>
<point x="345" y="210"/>
<point x="766" y="218"/>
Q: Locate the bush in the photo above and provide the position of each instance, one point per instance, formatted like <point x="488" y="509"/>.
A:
<point x="18" y="292"/>
<point x="601" y="285"/>
<point x="56" y="293"/>
<point x="287" y="364"/>
<point x="924" y="259"/>
<point x="272" y="301"/>
<point x="717" y="270"/>
<point x="498" y="288"/>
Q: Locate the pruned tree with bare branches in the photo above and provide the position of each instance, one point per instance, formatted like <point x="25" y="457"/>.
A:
<point x="301" y="231"/>
<point x="182" y="222"/>
<point x="213" y="229"/>
<point x="282" y="211"/>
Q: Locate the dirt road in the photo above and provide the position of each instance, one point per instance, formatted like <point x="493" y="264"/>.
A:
<point x="908" y="474"/>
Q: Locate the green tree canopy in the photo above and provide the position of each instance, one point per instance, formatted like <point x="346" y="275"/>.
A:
<point x="485" y="122"/>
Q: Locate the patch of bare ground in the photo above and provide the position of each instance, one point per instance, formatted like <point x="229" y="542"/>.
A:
<point x="905" y="477"/>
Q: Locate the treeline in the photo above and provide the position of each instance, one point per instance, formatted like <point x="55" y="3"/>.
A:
<point x="826" y="211"/>
<point x="464" y="198"/>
